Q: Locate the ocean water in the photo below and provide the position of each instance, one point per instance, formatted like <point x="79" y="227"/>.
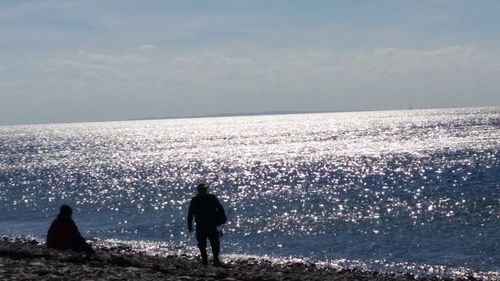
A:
<point x="414" y="190"/>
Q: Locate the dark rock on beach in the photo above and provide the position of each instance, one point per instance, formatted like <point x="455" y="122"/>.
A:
<point x="25" y="259"/>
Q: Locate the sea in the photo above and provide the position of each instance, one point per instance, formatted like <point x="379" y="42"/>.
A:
<point x="412" y="191"/>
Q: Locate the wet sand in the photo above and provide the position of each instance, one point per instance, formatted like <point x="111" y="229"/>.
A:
<point x="27" y="259"/>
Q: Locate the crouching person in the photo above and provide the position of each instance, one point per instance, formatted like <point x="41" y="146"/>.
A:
<point x="63" y="233"/>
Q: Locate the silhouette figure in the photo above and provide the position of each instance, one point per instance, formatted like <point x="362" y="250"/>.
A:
<point x="63" y="233"/>
<point x="208" y="214"/>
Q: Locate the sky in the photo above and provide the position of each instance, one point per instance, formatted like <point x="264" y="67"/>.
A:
<point x="95" y="60"/>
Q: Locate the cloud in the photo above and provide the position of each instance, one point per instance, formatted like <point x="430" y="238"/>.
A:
<point x="165" y="58"/>
<point x="101" y="86"/>
<point x="147" y="47"/>
<point x="98" y="58"/>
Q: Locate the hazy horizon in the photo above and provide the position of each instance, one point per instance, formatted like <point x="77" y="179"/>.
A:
<point x="248" y="114"/>
<point x="74" y="61"/>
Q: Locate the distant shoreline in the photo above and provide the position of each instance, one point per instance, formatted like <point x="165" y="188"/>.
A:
<point x="292" y="112"/>
<point x="243" y="114"/>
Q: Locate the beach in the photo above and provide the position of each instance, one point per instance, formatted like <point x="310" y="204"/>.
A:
<point x="29" y="259"/>
<point x="326" y="196"/>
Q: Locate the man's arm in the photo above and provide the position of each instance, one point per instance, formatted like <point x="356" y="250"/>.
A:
<point x="220" y="209"/>
<point x="74" y="229"/>
<point x="190" y="216"/>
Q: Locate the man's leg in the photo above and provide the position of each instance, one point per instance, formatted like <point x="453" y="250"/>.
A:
<point x="201" y="237"/>
<point x="80" y="245"/>
<point x="213" y="236"/>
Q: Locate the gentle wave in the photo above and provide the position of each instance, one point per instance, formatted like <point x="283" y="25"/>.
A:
<point x="394" y="189"/>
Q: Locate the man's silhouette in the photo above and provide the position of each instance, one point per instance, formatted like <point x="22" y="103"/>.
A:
<point x="63" y="233"/>
<point x="208" y="214"/>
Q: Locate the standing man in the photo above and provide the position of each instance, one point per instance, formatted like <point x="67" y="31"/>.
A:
<point x="208" y="214"/>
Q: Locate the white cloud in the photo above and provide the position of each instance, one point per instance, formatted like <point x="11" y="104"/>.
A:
<point x="97" y="58"/>
<point x="147" y="47"/>
<point x="139" y="85"/>
<point x="182" y="57"/>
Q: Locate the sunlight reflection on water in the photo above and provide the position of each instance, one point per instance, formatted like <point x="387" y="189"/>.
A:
<point x="397" y="186"/>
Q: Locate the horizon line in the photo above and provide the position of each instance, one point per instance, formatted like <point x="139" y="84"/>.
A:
<point x="243" y="114"/>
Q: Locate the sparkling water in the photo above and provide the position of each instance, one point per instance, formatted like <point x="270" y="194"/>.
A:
<point x="392" y="190"/>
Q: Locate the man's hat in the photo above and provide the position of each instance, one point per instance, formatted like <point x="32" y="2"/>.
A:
<point x="202" y="186"/>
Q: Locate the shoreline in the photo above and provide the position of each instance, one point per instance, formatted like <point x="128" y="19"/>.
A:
<point x="29" y="259"/>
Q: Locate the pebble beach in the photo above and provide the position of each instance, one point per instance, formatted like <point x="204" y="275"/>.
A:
<point x="29" y="259"/>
